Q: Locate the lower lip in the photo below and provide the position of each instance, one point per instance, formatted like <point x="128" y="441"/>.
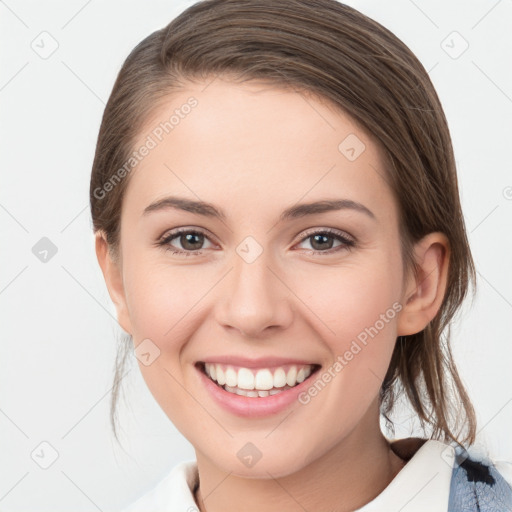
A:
<point x="254" y="406"/>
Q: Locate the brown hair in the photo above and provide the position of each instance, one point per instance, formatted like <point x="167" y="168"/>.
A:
<point x="338" y="54"/>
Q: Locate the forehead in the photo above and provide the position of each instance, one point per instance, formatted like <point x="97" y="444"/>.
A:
<point x="250" y="144"/>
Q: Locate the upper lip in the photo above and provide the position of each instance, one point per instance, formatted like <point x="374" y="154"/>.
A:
<point x="260" y="362"/>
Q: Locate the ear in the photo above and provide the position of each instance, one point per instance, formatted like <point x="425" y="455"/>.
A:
<point x="425" y="293"/>
<point x="112" y="273"/>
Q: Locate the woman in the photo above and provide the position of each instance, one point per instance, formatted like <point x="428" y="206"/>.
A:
<point x="275" y="202"/>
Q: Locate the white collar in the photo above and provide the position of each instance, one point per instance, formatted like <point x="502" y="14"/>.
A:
<point x="422" y="485"/>
<point x="173" y="493"/>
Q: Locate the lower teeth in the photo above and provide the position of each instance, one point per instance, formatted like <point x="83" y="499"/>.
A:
<point x="254" y="393"/>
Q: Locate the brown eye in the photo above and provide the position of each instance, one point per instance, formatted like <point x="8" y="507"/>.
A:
<point x="186" y="241"/>
<point x="191" y="241"/>
<point x="323" y="241"/>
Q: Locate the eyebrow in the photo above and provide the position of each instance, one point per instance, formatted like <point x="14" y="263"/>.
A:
<point x="294" y="212"/>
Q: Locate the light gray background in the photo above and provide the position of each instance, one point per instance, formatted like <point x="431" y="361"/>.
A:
<point x="59" y="329"/>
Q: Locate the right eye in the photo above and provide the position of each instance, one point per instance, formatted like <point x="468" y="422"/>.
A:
<point x="190" y="240"/>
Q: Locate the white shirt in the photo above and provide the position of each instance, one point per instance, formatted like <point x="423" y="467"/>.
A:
<point x="422" y="485"/>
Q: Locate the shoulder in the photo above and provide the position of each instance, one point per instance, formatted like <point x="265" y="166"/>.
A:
<point x="478" y="484"/>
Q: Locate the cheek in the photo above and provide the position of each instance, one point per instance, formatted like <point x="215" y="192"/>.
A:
<point x="162" y="302"/>
<point x="356" y="312"/>
<point x="165" y="306"/>
<point x="160" y="298"/>
<point x="349" y="300"/>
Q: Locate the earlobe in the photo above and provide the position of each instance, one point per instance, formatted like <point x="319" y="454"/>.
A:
<point x="112" y="273"/>
<point x="425" y="292"/>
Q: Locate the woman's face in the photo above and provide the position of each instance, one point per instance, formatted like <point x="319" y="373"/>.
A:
<point x="247" y="292"/>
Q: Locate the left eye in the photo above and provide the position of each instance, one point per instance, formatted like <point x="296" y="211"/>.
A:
<point x="321" y="239"/>
<point x="191" y="241"/>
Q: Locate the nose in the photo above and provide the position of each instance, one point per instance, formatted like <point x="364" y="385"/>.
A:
<point x="254" y="298"/>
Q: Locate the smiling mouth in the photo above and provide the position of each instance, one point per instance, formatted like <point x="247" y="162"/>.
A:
<point x="257" y="382"/>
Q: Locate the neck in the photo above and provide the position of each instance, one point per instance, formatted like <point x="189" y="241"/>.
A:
<point x="345" y="478"/>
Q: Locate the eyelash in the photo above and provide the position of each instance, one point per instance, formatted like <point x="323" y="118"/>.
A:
<point x="347" y="242"/>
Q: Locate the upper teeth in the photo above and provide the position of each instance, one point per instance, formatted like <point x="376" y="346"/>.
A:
<point x="261" y="379"/>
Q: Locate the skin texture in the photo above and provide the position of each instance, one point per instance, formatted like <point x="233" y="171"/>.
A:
<point x="253" y="150"/>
